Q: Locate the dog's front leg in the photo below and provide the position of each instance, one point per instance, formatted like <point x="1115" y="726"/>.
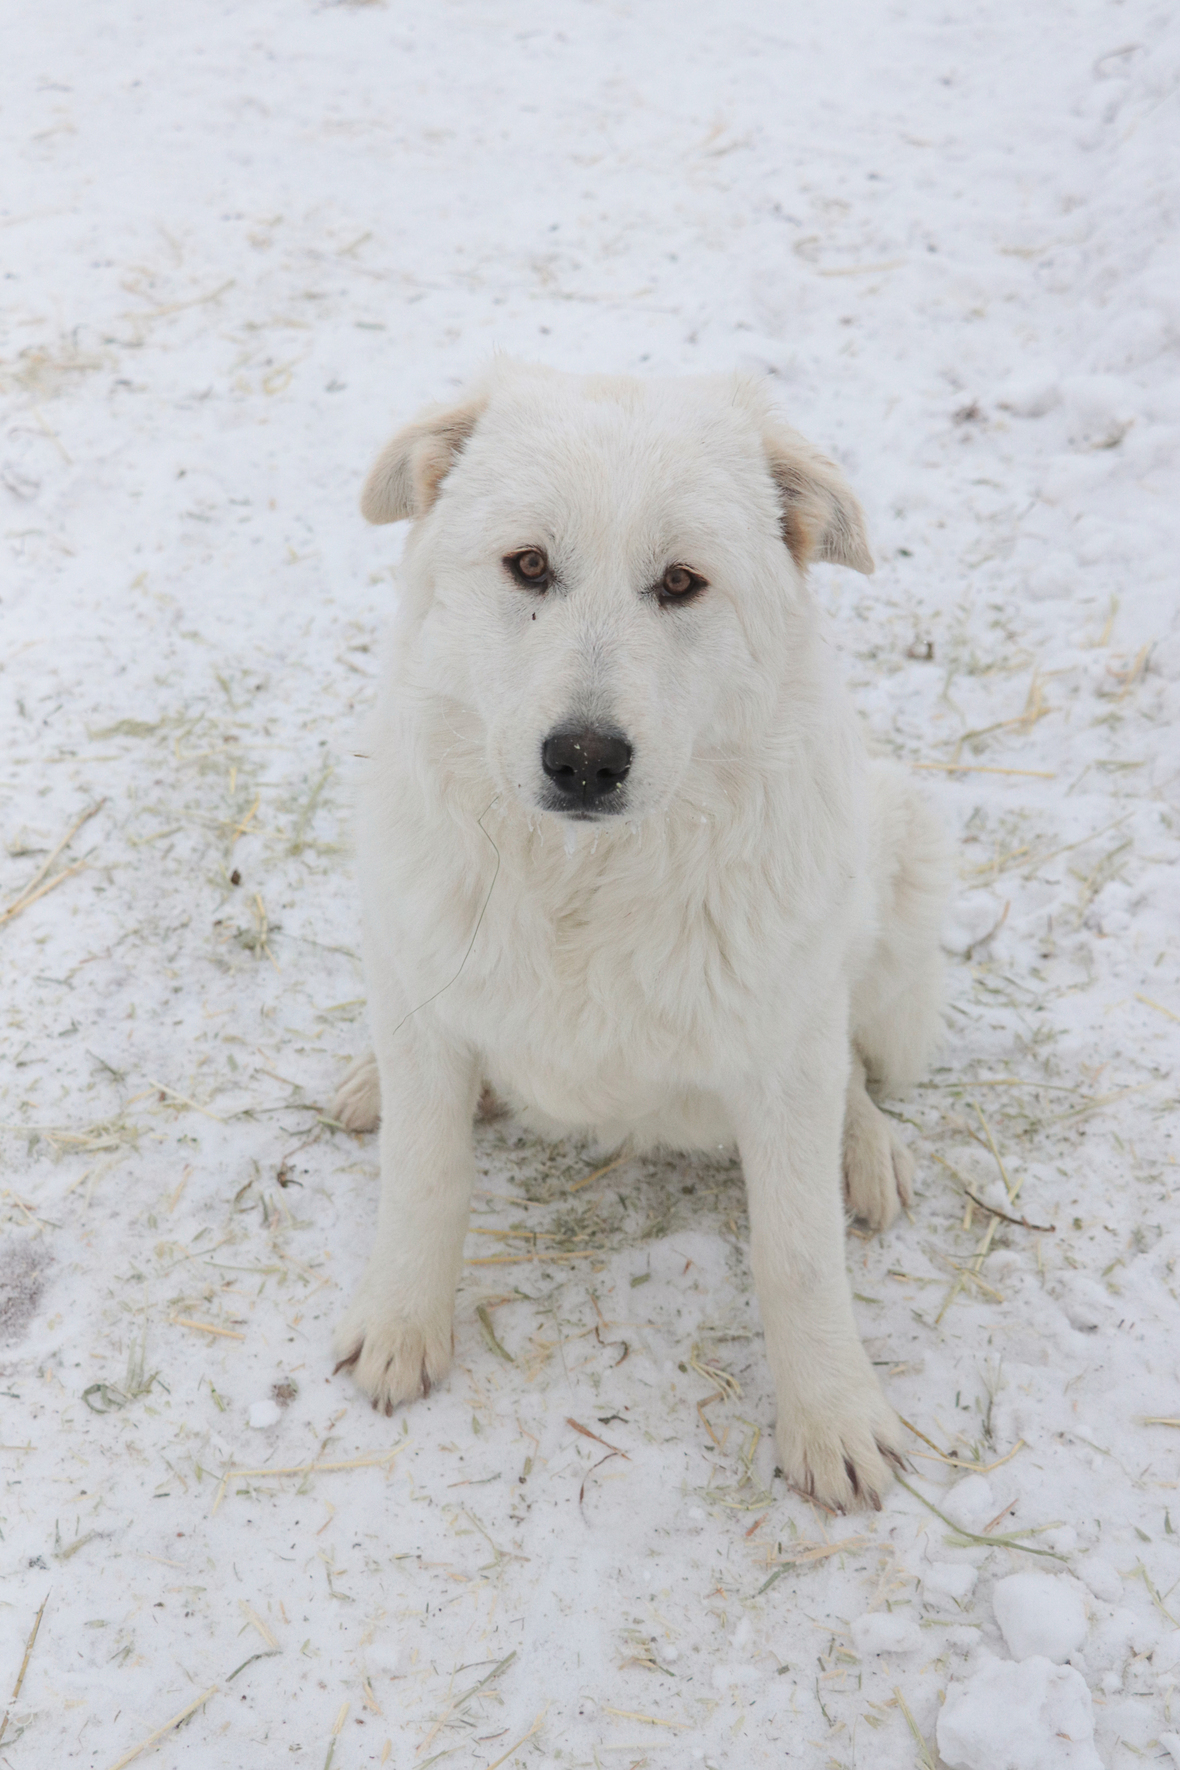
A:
<point x="397" y="1333"/>
<point x="836" y="1434"/>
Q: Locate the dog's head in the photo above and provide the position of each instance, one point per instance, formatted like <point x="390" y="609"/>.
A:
<point x="608" y="574"/>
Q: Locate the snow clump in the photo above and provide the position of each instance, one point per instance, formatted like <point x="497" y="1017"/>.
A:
<point x="1028" y="1716"/>
<point x="1038" y="1614"/>
<point x="970" y="1503"/>
<point x="885" y="1632"/>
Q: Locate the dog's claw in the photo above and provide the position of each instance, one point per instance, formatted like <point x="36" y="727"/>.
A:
<point x="348" y="1362"/>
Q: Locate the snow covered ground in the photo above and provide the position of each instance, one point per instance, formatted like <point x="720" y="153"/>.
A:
<point x="238" y="243"/>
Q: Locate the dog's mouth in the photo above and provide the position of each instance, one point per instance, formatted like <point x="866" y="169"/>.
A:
<point x="583" y="814"/>
<point x="585" y="772"/>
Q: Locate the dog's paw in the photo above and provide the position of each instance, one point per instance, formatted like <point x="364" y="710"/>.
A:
<point x="878" y="1168"/>
<point x="392" y="1356"/>
<point x="842" y="1456"/>
<point x="357" y="1105"/>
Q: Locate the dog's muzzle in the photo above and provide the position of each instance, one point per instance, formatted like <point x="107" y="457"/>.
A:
<point x="585" y="771"/>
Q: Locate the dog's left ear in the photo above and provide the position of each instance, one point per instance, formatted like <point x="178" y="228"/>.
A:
<point x="405" y="478"/>
<point x="819" y="516"/>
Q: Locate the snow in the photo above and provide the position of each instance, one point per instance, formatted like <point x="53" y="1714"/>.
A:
<point x="262" y="1414"/>
<point x="1039" y="1614"/>
<point x="885" y="1632"/>
<point x="949" y="1579"/>
<point x="238" y="244"/>
<point x="971" y="1502"/>
<point x="1028" y="1716"/>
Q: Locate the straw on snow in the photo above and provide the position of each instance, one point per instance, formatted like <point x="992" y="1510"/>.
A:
<point x="24" y="1666"/>
<point x="167" y="1727"/>
<point x="370" y="1460"/>
<point x="40" y="884"/>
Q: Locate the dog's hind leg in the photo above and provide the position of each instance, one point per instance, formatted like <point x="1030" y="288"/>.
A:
<point x="878" y="1168"/>
<point x="357" y="1102"/>
<point x="897" y="996"/>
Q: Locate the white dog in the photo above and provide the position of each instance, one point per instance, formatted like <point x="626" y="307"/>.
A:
<point x="623" y="859"/>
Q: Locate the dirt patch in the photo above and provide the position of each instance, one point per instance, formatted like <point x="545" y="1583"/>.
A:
<point x="24" y="1266"/>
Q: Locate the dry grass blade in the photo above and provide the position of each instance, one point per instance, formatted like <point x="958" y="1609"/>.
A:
<point x="964" y="1467"/>
<point x="205" y="1327"/>
<point x="31" y="897"/>
<point x="184" y="1100"/>
<point x="1041" y="774"/>
<point x="520" y="1259"/>
<point x="35" y="889"/>
<point x="457" y="1702"/>
<point x="485" y="1322"/>
<point x="167" y="1727"/>
<point x="337" y="1729"/>
<point x="599" y="1172"/>
<point x="374" y="1460"/>
<point x="807" y="1554"/>
<point x="269" y="1653"/>
<point x="651" y="1720"/>
<point x="158" y="313"/>
<point x="919" y="1434"/>
<point x="1081" y="1112"/>
<point x="1017" y="1222"/>
<point x="1158" y="1006"/>
<point x="715" y="1372"/>
<point x="925" y="1759"/>
<point x="24" y="1665"/>
<point x="974" y="1268"/>
<point x="991" y="1143"/>
<point x="241" y="827"/>
<point x="503" y="1759"/>
<point x="253" y="1617"/>
<point x="79" y="1542"/>
<point x="1009" y="1539"/>
<point x="586" y="1433"/>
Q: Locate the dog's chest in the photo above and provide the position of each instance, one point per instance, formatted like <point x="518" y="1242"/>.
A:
<point x="597" y="991"/>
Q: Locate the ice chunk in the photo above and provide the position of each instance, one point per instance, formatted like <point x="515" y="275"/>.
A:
<point x="1028" y="1716"/>
<point x="885" y="1632"/>
<point x="263" y="1414"/>
<point x="1039" y="1614"/>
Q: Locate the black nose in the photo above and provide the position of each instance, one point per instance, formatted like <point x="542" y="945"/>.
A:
<point x="585" y="767"/>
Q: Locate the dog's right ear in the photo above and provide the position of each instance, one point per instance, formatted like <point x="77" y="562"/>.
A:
<point x="405" y="478"/>
<point x="818" y="514"/>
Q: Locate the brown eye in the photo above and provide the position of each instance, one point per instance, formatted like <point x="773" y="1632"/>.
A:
<point x="678" y="584"/>
<point x="530" y="567"/>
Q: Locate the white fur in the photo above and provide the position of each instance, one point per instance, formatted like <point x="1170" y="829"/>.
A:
<point x="718" y="963"/>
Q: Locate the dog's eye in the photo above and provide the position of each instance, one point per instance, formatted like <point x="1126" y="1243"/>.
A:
<point x="530" y="567"/>
<point x="679" y="584"/>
